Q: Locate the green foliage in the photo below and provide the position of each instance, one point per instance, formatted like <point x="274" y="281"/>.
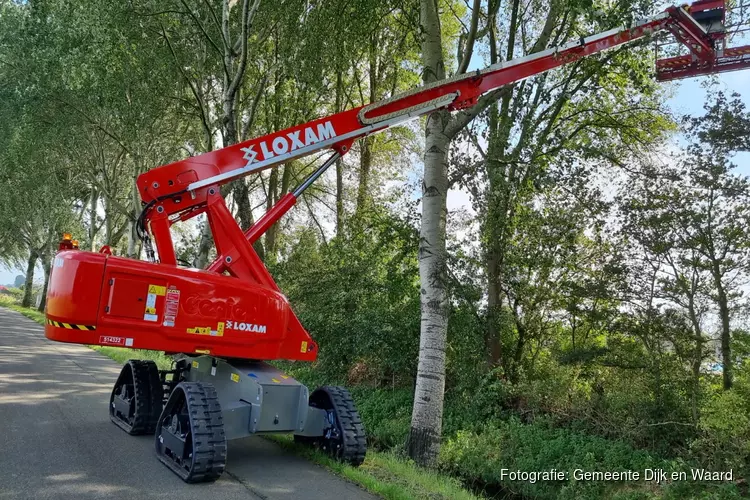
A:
<point x="724" y="442"/>
<point x="388" y="475"/>
<point x="358" y="296"/>
<point x="479" y="457"/>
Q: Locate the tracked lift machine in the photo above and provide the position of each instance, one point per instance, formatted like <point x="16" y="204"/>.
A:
<point x="222" y="324"/>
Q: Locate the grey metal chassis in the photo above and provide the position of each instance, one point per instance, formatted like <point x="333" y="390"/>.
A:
<point x="257" y="398"/>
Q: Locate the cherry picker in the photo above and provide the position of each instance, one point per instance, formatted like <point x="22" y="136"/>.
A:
<point x="222" y="324"/>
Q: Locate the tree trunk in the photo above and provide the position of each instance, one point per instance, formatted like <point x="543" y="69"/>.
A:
<point x="726" y="352"/>
<point x="133" y="249"/>
<point x="204" y="246"/>
<point x="271" y="199"/>
<point x="697" y="359"/>
<point x="339" y="164"/>
<point x="365" y="164"/>
<point x="423" y="442"/>
<point x="494" y="308"/>
<point x="29" y="283"/>
<point x="241" y="195"/>
<point x="108" y="221"/>
<point x="94" y="201"/>
<point x="339" y="197"/>
<point x="47" y="266"/>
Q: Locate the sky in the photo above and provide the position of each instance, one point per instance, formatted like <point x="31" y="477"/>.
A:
<point x="687" y="97"/>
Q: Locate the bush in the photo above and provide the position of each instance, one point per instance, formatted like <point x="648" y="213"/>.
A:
<point x="479" y="457"/>
<point x="724" y="443"/>
<point x="386" y="414"/>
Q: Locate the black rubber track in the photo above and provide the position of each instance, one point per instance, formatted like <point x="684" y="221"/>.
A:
<point x="208" y="441"/>
<point x="147" y="391"/>
<point x="351" y="446"/>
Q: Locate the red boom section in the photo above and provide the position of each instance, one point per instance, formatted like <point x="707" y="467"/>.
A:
<point x="95" y="298"/>
<point x="234" y="308"/>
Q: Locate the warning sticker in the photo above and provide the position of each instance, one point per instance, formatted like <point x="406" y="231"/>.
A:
<point x="303" y="346"/>
<point x="150" y="313"/>
<point x="200" y="330"/>
<point x="206" y="330"/>
<point x="171" y="306"/>
<point x="235" y="377"/>
<point x="153" y="292"/>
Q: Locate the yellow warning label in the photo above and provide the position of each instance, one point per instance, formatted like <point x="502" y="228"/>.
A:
<point x="150" y="310"/>
<point x="195" y="363"/>
<point x="206" y="330"/>
<point x="303" y="346"/>
<point x="235" y="377"/>
<point x="200" y="330"/>
<point x="158" y="290"/>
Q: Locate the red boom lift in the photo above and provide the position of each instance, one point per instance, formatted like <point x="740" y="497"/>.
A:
<point x="220" y="323"/>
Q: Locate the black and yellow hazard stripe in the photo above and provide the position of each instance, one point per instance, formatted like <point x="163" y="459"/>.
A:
<point x="70" y="326"/>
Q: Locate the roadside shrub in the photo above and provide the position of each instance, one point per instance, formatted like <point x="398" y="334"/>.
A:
<point x="479" y="457"/>
<point x="386" y="414"/>
<point x="725" y="433"/>
<point x="13" y="295"/>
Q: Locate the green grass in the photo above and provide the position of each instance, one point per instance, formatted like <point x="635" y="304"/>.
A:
<point x="383" y="474"/>
<point x="122" y="354"/>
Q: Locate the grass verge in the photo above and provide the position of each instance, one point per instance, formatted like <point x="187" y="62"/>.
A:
<point x="383" y="474"/>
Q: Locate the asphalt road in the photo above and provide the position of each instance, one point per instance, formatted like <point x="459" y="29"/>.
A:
<point x="57" y="442"/>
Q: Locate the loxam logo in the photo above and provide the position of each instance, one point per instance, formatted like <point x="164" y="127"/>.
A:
<point x="245" y="327"/>
<point x="289" y="142"/>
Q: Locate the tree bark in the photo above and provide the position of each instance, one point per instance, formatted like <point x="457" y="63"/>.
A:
<point x="47" y="266"/>
<point x="726" y="351"/>
<point x="94" y="201"/>
<point x="365" y="165"/>
<point x="339" y="197"/>
<point x="133" y="249"/>
<point x="204" y="246"/>
<point x="423" y="442"/>
<point x="29" y="283"/>
<point x="339" y="164"/>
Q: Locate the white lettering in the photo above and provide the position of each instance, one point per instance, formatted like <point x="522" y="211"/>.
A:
<point x="310" y="137"/>
<point x="245" y="327"/>
<point x="266" y="153"/>
<point x="280" y="146"/>
<point x="294" y="137"/>
<point x="325" y="131"/>
<point x="249" y="155"/>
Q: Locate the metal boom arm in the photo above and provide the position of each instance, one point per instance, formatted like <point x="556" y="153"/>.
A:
<point x="181" y="190"/>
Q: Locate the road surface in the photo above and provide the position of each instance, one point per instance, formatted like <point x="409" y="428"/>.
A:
<point x="57" y="442"/>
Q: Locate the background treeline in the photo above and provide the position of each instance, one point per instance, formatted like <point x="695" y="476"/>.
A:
<point x="595" y="275"/>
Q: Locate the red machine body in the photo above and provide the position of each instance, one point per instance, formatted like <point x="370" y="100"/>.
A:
<point x="234" y="308"/>
<point x="95" y="298"/>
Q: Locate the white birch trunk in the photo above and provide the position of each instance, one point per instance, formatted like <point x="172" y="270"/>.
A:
<point x="423" y="443"/>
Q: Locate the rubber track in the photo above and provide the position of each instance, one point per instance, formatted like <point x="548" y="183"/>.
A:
<point x="148" y="400"/>
<point x="353" y="431"/>
<point x="209" y="440"/>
